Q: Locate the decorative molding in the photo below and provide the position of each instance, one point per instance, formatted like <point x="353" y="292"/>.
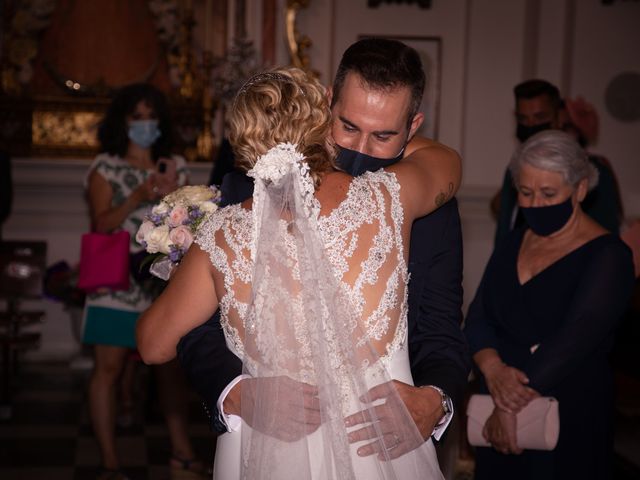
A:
<point x="296" y="42"/>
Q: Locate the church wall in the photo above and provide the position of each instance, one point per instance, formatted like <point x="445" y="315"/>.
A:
<point x="487" y="47"/>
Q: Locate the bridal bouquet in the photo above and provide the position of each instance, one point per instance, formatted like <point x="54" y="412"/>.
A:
<point x="168" y="231"/>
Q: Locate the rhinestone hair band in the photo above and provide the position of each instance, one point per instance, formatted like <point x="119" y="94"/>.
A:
<point x="261" y="77"/>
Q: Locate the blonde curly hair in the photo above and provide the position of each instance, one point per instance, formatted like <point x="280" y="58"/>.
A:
<point x="283" y="105"/>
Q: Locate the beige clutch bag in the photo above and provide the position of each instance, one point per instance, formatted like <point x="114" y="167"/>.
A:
<point x="538" y="422"/>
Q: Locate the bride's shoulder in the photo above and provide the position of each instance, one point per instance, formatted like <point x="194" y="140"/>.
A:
<point x="338" y="185"/>
<point x="378" y="185"/>
<point x="357" y="199"/>
<point x="229" y="215"/>
<point x="333" y="188"/>
<point x="381" y="178"/>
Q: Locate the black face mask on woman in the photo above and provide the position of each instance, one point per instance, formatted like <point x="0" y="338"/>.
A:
<point x="547" y="220"/>
<point x="523" y="132"/>
<point x="356" y="163"/>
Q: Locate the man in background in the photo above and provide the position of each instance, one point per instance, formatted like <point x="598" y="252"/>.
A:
<point x="538" y="107"/>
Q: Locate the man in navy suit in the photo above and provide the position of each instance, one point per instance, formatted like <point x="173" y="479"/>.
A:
<point x="374" y="101"/>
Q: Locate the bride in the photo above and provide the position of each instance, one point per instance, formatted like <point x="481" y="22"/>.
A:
<point x="310" y="276"/>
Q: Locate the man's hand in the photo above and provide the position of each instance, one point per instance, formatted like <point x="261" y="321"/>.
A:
<point x="508" y="387"/>
<point x="288" y="410"/>
<point x="500" y="431"/>
<point x="392" y="437"/>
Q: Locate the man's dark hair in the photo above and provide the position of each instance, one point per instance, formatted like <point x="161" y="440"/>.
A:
<point x="113" y="130"/>
<point x="534" y="88"/>
<point x="383" y="64"/>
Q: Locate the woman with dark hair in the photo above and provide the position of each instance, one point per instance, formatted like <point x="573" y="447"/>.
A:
<point x="133" y="171"/>
<point x="114" y="131"/>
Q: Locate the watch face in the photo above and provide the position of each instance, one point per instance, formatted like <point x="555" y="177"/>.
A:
<point x="447" y="404"/>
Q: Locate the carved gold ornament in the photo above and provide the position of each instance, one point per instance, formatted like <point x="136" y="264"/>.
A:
<point x="298" y="43"/>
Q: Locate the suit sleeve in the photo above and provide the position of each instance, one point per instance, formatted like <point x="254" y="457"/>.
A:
<point x="208" y="365"/>
<point x="437" y="347"/>
<point x="601" y="299"/>
<point x="207" y="362"/>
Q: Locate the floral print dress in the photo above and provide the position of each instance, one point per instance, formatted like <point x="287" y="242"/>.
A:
<point x="110" y="317"/>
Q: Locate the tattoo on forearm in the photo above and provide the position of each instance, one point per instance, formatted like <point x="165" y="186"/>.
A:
<point x="443" y="197"/>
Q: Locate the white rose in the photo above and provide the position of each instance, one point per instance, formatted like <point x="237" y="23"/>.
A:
<point x="158" y="240"/>
<point x="160" y="209"/>
<point x="190" y="195"/>
<point x="143" y="231"/>
<point x="208" y="207"/>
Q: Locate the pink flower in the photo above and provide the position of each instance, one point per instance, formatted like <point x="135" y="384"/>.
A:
<point x="181" y="237"/>
<point x="178" y="215"/>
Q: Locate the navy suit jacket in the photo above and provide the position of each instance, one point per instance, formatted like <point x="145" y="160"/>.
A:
<point x="437" y="347"/>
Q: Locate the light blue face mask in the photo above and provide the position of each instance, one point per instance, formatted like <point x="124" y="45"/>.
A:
<point x="144" y="132"/>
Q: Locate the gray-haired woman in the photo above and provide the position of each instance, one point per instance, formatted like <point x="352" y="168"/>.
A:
<point x="544" y="315"/>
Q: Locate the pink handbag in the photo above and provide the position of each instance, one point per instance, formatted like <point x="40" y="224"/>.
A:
<point x="538" y="423"/>
<point x="104" y="261"/>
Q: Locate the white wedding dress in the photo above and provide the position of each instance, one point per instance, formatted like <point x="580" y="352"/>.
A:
<point x="362" y="245"/>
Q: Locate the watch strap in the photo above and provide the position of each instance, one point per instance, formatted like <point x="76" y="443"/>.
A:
<point x="444" y="398"/>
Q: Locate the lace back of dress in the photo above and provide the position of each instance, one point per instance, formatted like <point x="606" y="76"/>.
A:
<point x="303" y="326"/>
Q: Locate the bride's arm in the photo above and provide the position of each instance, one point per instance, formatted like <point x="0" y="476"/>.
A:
<point x="188" y="300"/>
<point x="430" y="175"/>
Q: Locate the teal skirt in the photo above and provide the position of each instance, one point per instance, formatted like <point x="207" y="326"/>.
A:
<point x="110" y="326"/>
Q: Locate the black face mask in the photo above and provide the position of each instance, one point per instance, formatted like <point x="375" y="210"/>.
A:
<point x="356" y="163"/>
<point x="547" y="220"/>
<point x="523" y="132"/>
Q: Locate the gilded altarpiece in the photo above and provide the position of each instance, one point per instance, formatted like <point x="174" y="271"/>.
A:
<point x="63" y="59"/>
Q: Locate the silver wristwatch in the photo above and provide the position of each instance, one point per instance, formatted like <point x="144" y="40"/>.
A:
<point x="447" y="404"/>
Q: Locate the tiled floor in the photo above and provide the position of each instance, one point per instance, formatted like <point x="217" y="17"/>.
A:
<point x="49" y="435"/>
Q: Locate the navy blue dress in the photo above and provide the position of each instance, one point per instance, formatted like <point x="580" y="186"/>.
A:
<point x="571" y="310"/>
